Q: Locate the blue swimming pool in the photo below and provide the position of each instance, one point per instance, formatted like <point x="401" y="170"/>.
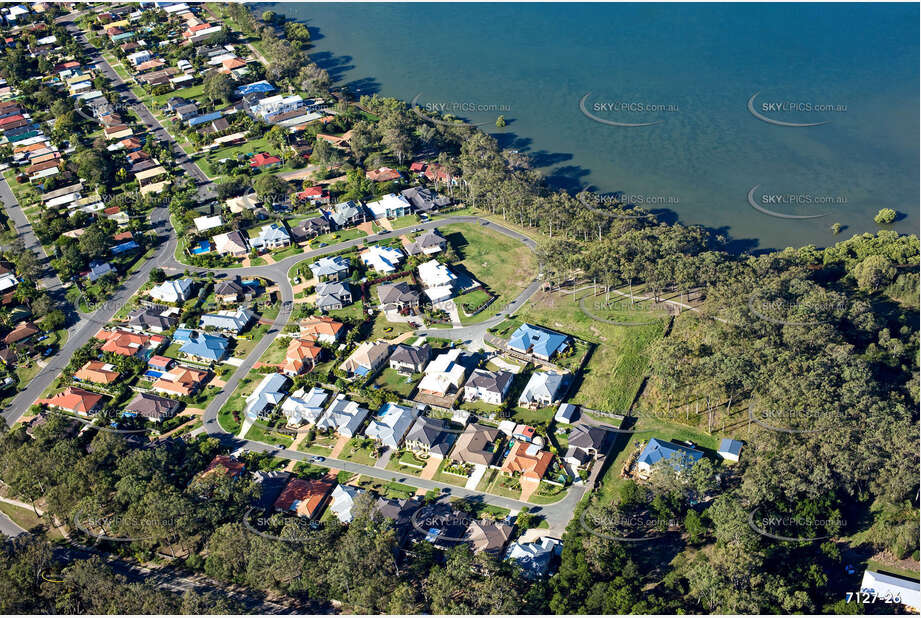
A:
<point x="203" y="246"/>
<point x="150" y="373"/>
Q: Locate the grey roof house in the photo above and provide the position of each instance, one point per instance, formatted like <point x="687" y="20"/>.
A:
<point x="488" y="386"/>
<point x="430" y="436"/>
<point x="543" y="389"/>
<point x="333" y="295"/>
<point x="424" y="199"/>
<point x="397" y="295"/>
<point x="334" y="268"/>
<point x="347" y="213"/>
<point x="150" y="319"/>
<point x="410" y="359"/>
<point x="153" y="407"/>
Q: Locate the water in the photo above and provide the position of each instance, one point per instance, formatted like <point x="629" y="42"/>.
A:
<point x="700" y="64"/>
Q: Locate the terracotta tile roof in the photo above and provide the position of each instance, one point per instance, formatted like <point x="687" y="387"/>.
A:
<point x="181" y="380"/>
<point x="98" y="372"/>
<point x="302" y="354"/>
<point x="321" y="325"/>
<point x="226" y="464"/>
<point x="305" y="496"/>
<point x="125" y="343"/>
<point x="75" y="400"/>
<point x="529" y="460"/>
<point x="23" y="330"/>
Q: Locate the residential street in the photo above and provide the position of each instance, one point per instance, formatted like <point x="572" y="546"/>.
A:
<point x="49" y="279"/>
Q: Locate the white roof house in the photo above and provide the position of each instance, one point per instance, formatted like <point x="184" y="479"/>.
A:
<point x="443" y="373"/>
<point x="205" y="222"/>
<point x="343" y="416"/>
<point x="343" y="499"/>
<point x="543" y="389"/>
<point x="391" y="424"/>
<point x="235" y="320"/>
<point x="382" y="259"/>
<point x="890" y="587"/>
<point x="304" y="408"/>
<point x="267" y="395"/>
<point x="435" y="274"/>
<point x="534" y="558"/>
<point x="390" y="206"/>
<point x="176" y="291"/>
<point x="333" y="267"/>
<point x="8" y="281"/>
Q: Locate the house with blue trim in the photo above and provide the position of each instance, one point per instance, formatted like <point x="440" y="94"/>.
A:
<point x="201" y="345"/>
<point x="679" y="456"/>
<point x="539" y="342"/>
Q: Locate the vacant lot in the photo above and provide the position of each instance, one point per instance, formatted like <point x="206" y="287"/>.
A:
<point x="503" y="264"/>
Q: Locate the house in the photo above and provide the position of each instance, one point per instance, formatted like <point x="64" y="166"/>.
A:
<point x="410" y="359"/>
<point x="390" y="206"/>
<point x="69" y="427"/>
<point x="429" y="243"/>
<point x="303" y="407"/>
<point x="545" y="388"/>
<point x="230" y="320"/>
<point x="22" y="332"/>
<point x="231" y="243"/>
<point x="538" y="341"/>
<point x="150" y="319"/>
<point x="244" y="202"/>
<point x="730" y="449"/>
<point x="226" y="465"/>
<point x="98" y="270"/>
<point x="342" y="501"/>
<point x="264" y="160"/>
<point x="268" y="394"/>
<point x="180" y="380"/>
<point x="316" y="195"/>
<point x="400" y="513"/>
<point x="346" y="214"/>
<point x="444" y="374"/>
<point x="488" y="386"/>
<point x="343" y="416"/>
<point x="437" y="280"/>
<point x="334" y="268"/>
<point x="528" y="460"/>
<point x="151" y="407"/>
<point x="390" y="424"/>
<point x="75" y="400"/>
<point x="397" y="296"/>
<point x="301" y="356"/>
<point x="202" y="345"/>
<point x="566" y="413"/>
<point x="429" y="436"/>
<point x="534" y="558"/>
<point x="885" y="586"/>
<point x="205" y="223"/>
<point x="476" y="445"/>
<point x="524" y="433"/>
<point x="271" y="236"/>
<point x="488" y="536"/>
<point x="127" y="343"/>
<point x="333" y="295"/>
<point x="425" y="200"/>
<point x="97" y="372"/>
<point x="228" y="291"/>
<point x="271" y="484"/>
<point x="382" y="259"/>
<point x="176" y="291"/>
<point x="586" y="443"/>
<point x="310" y="228"/>
<point x="383" y="174"/>
<point x="323" y="328"/>
<point x="159" y="363"/>
<point x="678" y="456"/>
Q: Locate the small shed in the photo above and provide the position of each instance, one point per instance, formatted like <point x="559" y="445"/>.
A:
<point x="730" y="449"/>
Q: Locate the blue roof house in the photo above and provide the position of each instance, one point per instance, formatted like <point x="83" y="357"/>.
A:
<point x="201" y="345"/>
<point x="197" y="120"/>
<point x="539" y="342"/>
<point x="679" y="456"/>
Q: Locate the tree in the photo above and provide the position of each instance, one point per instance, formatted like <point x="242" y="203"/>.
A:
<point x="217" y="87"/>
<point x="500" y="122"/>
<point x="874" y="273"/>
<point x="885" y="216"/>
<point x="269" y="186"/>
<point x="314" y="80"/>
<point x="269" y="17"/>
<point x="157" y="275"/>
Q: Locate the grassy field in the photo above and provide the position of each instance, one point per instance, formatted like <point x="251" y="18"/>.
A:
<point x="28" y="520"/>
<point x="265" y="435"/>
<point x="337" y="237"/>
<point x="393" y="381"/>
<point x="617" y="366"/>
<point x="361" y="455"/>
<point x="381" y="326"/>
<point x="503" y="264"/>
<point x="237" y="403"/>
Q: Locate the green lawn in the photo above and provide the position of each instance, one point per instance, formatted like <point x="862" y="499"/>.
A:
<point x="27" y="519"/>
<point x="262" y="434"/>
<point x="393" y="381"/>
<point x="366" y="456"/>
<point x="381" y="326"/>
<point x="396" y="464"/>
<point x="287" y="252"/>
<point x="451" y="479"/>
<point x="236" y="402"/>
<point x="350" y="313"/>
<point x="505" y="486"/>
<point x="276" y="352"/>
<point x="503" y="264"/>
<point x="547" y="494"/>
<point x="401" y="222"/>
<point x="337" y="237"/>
